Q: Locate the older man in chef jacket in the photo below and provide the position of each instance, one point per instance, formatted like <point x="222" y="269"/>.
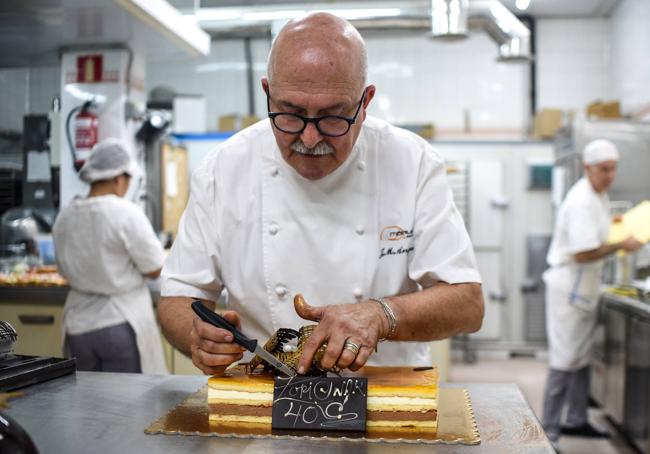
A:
<point x="572" y="287"/>
<point x="323" y="200"/>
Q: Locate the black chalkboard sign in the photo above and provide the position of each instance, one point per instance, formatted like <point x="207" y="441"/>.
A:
<point x="320" y="403"/>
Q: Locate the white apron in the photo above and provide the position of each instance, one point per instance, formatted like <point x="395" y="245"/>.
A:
<point x="571" y="314"/>
<point x="103" y="246"/>
<point x="572" y="289"/>
<point x="136" y="307"/>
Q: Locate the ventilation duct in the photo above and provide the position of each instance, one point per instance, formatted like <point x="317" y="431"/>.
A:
<point x="444" y="19"/>
<point x="450" y="19"/>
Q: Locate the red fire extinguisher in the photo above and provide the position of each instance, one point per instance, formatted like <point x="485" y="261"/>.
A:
<point x="86" y="134"/>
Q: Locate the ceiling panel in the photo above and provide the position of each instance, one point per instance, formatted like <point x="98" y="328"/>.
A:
<point x="539" y="8"/>
<point x="33" y="32"/>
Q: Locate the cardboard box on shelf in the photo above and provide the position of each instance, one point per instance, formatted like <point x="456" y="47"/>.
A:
<point x="236" y="122"/>
<point x="547" y="122"/>
<point x="424" y="130"/>
<point x="248" y="120"/>
<point x="599" y="109"/>
<point x="228" y="123"/>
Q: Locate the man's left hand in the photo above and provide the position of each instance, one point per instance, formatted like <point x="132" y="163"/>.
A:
<point x="362" y="324"/>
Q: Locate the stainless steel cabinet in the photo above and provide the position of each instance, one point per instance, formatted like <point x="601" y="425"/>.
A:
<point x="598" y="385"/>
<point x="38" y="326"/>
<point x="637" y="389"/>
<point x="615" y="335"/>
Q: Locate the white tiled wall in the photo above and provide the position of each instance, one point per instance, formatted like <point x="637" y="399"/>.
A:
<point x="422" y="80"/>
<point x="418" y="80"/>
<point x="630" y="25"/>
<point x="573" y="62"/>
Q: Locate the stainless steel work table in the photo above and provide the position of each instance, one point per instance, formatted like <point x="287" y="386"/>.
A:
<point x="631" y="305"/>
<point x="107" y="413"/>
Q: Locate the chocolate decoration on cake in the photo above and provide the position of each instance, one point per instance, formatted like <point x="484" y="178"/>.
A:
<point x="287" y="345"/>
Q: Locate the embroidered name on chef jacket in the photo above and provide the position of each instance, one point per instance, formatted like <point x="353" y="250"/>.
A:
<point x="398" y="236"/>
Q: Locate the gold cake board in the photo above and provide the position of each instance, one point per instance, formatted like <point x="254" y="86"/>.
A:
<point x="456" y="424"/>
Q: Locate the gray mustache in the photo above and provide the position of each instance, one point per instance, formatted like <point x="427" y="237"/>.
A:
<point x="320" y="149"/>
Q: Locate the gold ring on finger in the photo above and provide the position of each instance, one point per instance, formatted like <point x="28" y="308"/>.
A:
<point x="352" y="347"/>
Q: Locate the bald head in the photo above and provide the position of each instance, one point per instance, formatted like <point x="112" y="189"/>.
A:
<point x="318" y="48"/>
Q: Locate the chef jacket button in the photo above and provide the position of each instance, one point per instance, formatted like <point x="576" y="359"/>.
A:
<point x="275" y="172"/>
<point x="280" y="290"/>
<point x="273" y="229"/>
<point x="359" y="229"/>
<point x="361" y="165"/>
<point x="358" y="293"/>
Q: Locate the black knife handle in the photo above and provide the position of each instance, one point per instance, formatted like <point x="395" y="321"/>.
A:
<point x="211" y="317"/>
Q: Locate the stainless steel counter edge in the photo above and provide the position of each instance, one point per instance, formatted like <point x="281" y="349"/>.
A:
<point x="626" y="303"/>
<point x="54" y="295"/>
<point x="49" y="296"/>
<point x="108" y="412"/>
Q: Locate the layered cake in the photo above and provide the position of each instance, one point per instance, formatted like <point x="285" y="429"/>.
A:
<point x="399" y="398"/>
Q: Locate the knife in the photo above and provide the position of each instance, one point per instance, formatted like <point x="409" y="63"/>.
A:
<point x="211" y="317"/>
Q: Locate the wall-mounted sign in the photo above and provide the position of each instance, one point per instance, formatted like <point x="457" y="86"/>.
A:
<point x="320" y="403"/>
<point x="90" y="68"/>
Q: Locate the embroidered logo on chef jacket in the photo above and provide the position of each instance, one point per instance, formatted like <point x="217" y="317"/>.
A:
<point x="397" y="236"/>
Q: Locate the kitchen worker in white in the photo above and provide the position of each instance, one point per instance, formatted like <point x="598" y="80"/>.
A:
<point x="572" y="282"/>
<point x="322" y="200"/>
<point x="106" y="249"/>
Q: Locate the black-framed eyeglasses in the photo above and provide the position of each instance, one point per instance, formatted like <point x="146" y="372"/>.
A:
<point x="327" y="125"/>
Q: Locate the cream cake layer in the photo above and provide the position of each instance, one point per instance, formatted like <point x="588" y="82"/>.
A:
<point x="389" y="403"/>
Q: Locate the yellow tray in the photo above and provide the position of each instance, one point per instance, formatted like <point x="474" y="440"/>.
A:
<point x="636" y="222"/>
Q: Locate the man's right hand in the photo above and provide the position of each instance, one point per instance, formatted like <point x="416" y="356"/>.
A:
<point x="213" y="348"/>
<point x="630" y="244"/>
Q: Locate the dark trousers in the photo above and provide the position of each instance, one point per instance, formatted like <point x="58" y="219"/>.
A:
<point x="570" y="388"/>
<point x="111" y="349"/>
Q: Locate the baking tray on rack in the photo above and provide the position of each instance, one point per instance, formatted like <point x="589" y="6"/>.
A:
<point x="18" y="371"/>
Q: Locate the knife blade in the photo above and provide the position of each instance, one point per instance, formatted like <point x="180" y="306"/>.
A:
<point x="211" y="317"/>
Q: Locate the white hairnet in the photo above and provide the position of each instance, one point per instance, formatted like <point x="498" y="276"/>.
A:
<point x="107" y="160"/>
<point x="599" y="150"/>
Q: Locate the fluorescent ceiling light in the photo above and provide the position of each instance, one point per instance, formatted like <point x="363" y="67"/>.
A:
<point x="264" y="16"/>
<point x="352" y="14"/>
<point x="271" y="15"/>
<point x="522" y="4"/>
<point x="210" y="14"/>
<point x="168" y="21"/>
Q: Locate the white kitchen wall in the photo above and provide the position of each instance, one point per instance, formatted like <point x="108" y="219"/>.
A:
<point x="447" y="83"/>
<point x="630" y="28"/>
<point x="220" y="78"/>
<point x="452" y="85"/>
<point x="573" y="63"/>
<point x="13" y="87"/>
<point x="26" y="90"/>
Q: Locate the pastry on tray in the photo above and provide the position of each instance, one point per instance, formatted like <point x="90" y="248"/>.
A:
<point x="398" y="398"/>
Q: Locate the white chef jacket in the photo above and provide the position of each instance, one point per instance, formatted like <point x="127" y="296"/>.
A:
<point x="582" y="225"/>
<point x="383" y="223"/>
<point x="104" y="245"/>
